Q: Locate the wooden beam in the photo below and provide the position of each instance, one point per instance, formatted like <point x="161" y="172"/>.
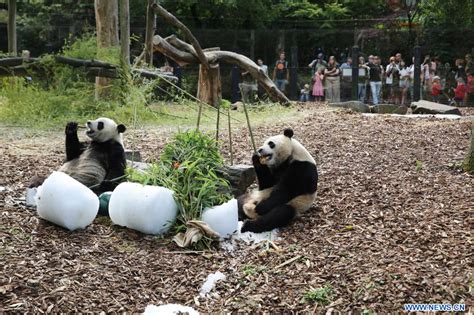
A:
<point x="12" y="39"/>
<point x="125" y="30"/>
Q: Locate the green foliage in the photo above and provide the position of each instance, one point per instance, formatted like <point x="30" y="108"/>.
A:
<point x="320" y="295"/>
<point x="68" y="94"/>
<point x="188" y="165"/>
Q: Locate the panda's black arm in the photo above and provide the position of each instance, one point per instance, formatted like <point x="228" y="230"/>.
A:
<point x="264" y="176"/>
<point x="74" y="148"/>
<point x="279" y="196"/>
<point x="117" y="164"/>
<point x="298" y="179"/>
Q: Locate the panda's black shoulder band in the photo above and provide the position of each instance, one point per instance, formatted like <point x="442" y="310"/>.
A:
<point x="288" y="132"/>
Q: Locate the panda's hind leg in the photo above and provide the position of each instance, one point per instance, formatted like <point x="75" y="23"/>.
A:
<point x="279" y="216"/>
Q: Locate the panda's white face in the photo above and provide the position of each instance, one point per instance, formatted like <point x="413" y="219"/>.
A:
<point x="275" y="150"/>
<point x="104" y="129"/>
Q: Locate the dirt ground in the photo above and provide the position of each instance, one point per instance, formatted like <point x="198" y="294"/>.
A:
<point x="392" y="224"/>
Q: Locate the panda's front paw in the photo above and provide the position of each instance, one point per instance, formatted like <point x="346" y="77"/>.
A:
<point x="252" y="226"/>
<point x="256" y="160"/>
<point x="248" y="226"/>
<point x="71" y="127"/>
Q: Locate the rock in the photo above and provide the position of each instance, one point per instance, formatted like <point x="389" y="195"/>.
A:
<point x="426" y="107"/>
<point x="237" y="105"/>
<point x="354" y="105"/>
<point x="133" y="155"/>
<point x="140" y="166"/>
<point x="389" y="109"/>
<point x="240" y="177"/>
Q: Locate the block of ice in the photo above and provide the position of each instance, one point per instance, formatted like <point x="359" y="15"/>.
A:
<point x="66" y="202"/>
<point x="148" y="209"/>
<point x="223" y="218"/>
<point x="169" y="309"/>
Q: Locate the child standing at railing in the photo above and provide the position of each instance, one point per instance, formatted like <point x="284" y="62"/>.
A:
<point x="318" y="91"/>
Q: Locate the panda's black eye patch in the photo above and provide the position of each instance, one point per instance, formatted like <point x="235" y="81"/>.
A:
<point x="100" y="125"/>
<point x="271" y="144"/>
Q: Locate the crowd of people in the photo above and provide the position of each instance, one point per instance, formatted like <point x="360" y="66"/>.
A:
<point x="378" y="83"/>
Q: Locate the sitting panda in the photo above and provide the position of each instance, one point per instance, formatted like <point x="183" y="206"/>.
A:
<point x="96" y="163"/>
<point x="287" y="179"/>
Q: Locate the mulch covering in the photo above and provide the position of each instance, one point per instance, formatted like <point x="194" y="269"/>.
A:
<point x="392" y="224"/>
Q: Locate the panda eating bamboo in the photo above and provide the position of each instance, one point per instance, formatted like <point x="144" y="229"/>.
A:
<point x="287" y="179"/>
<point x="98" y="164"/>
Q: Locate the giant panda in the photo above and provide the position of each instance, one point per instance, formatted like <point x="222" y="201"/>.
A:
<point x="96" y="164"/>
<point x="287" y="181"/>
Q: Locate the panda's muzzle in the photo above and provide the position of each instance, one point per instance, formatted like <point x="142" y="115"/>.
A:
<point x="89" y="130"/>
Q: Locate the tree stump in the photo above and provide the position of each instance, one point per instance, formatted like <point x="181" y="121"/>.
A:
<point x="209" y="85"/>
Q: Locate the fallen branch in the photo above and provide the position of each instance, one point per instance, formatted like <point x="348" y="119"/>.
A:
<point x="289" y="261"/>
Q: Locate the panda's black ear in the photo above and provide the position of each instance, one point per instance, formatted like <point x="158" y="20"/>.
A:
<point x="288" y="132"/>
<point x="121" y="128"/>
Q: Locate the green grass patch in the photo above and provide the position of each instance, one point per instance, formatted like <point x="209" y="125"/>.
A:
<point x="321" y="296"/>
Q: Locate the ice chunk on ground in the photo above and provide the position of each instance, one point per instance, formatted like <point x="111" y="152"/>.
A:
<point x="148" y="209"/>
<point x="223" y="219"/>
<point x="66" y="202"/>
<point x="30" y="196"/>
<point x="210" y="283"/>
<point x="248" y="238"/>
<point x="169" y="309"/>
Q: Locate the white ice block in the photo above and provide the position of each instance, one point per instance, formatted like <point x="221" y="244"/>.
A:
<point x="66" y="202"/>
<point x="223" y="219"/>
<point x="148" y="209"/>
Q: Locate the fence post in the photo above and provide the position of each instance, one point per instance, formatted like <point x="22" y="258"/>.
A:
<point x="355" y="73"/>
<point x="294" y="73"/>
<point x="235" y="77"/>
<point x="416" y="75"/>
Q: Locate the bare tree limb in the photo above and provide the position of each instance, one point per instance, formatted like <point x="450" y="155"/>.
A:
<point x="171" y="19"/>
<point x="212" y="57"/>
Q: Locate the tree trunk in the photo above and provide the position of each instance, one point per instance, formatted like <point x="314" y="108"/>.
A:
<point x="125" y="31"/>
<point x="106" y="16"/>
<point x="468" y="164"/>
<point x="12" y="47"/>
<point x="209" y="85"/>
<point x="150" y="31"/>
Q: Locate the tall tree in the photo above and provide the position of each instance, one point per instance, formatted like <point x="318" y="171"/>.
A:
<point x="12" y="48"/>
<point x="125" y="31"/>
<point x="150" y="31"/>
<point x="106" y="16"/>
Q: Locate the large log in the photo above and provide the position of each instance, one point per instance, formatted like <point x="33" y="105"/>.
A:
<point x="15" y="61"/>
<point x="76" y="62"/>
<point x="214" y="57"/>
